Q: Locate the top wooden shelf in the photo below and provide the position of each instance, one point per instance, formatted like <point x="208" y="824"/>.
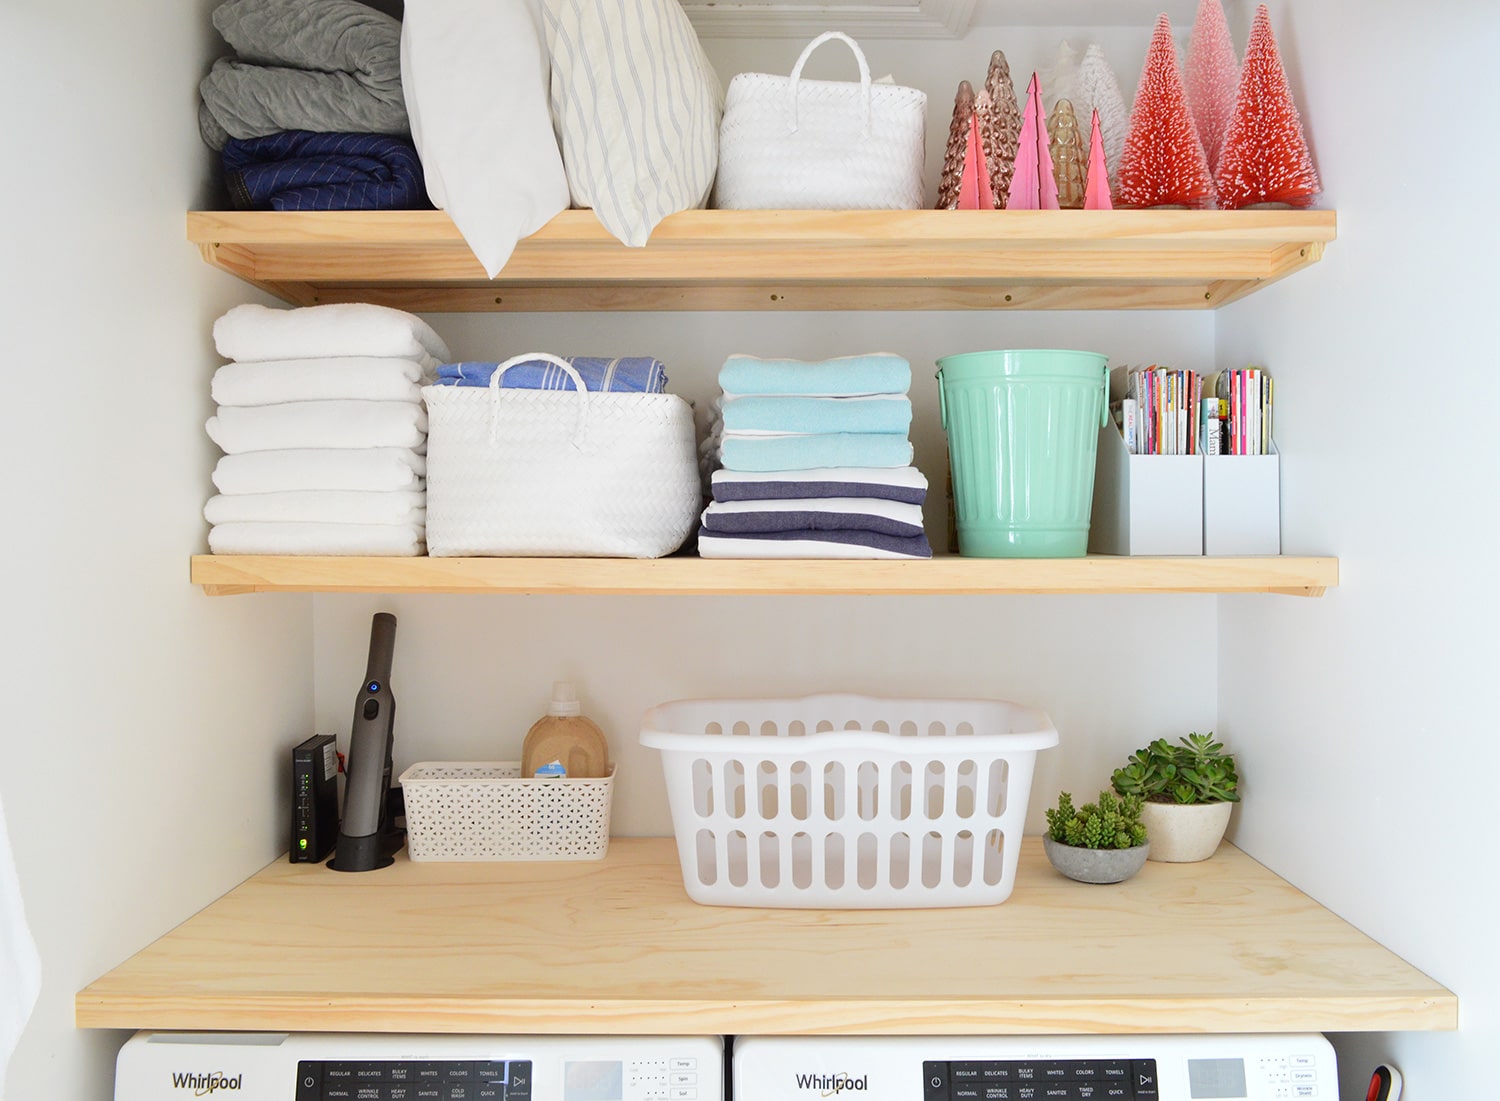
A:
<point x="776" y="259"/>
<point x="616" y="946"/>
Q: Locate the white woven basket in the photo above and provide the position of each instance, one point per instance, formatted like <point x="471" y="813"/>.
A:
<point x="791" y="144"/>
<point x="558" y="472"/>
<point x="845" y="801"/>
<point x="467" y="810"/>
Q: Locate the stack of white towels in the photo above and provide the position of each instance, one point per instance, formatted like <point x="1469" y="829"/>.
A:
<point x="323" y="429"/>
<point x="814" y="461"/>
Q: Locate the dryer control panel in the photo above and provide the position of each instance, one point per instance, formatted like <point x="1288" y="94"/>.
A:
<point x="1259" y="1067"/>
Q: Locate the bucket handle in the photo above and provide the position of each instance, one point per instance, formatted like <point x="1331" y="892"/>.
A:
<point x="1104" y="403"/>
<point x="942" y="402"/>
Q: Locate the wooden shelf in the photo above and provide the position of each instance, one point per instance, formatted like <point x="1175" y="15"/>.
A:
<point x="616" y="946"/>
<point x="686" y="575"/>
<point x="777" y="259"/>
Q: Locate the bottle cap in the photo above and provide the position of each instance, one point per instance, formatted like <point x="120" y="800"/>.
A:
<point x="564" y="699"/>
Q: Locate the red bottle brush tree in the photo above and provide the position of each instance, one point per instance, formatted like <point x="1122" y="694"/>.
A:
<point x="1162" y="163"/>
<point x="1211" y="75"/>
<point x="1265" y="159"/>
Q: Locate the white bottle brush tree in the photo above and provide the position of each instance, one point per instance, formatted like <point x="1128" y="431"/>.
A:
<point x="1098" y="90"/>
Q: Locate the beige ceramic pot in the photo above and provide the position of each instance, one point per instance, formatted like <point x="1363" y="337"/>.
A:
<point x="1184" y="833"/>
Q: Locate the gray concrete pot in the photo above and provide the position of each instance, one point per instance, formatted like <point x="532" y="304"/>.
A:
<point x="1095" y="865"/>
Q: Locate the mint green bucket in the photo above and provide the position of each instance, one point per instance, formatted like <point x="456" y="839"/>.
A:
<point x="1023" y="429"/>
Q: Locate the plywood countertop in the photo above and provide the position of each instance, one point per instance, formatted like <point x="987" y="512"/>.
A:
<point x="616" y="946"/>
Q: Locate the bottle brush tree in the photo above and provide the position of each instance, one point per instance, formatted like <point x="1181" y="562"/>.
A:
<point x="1265" y="158"/>
<point x="1163" y="163"/>
<point x="1211" y="76"/>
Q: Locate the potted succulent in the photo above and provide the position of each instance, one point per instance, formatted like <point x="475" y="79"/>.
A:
<point x="1188" y="791"/>
<point x="1099" y="842"/>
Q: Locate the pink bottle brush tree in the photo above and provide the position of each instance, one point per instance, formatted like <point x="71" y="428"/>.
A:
<point x="1211" y="76"/>
<point x="1162" y="163"/>
<point x="1265" y="158"/>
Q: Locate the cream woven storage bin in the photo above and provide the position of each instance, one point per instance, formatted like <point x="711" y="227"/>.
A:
<point x="468" y="810"/>
<point x="844" y="801"/>
<point x="558" y="472"/>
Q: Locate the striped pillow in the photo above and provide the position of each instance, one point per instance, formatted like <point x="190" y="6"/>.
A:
<point x="636" y="106"/>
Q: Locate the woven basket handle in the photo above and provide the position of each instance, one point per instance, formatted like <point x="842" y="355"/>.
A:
<point x="580" y="426"/>
<point x="864" y="72"/>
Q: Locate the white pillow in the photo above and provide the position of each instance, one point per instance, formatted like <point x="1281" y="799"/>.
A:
<point x="474" y="73"/>
<point x="636" y="106"/>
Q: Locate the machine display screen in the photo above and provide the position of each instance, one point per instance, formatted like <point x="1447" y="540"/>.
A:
<point x="596" y="1080"/>
<point x="1216" y="1078"/>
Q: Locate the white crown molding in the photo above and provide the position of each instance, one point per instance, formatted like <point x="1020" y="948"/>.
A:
<point x="806" y="18"/>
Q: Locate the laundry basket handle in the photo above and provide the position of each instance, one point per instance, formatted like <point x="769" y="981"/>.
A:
<point x="580" y="425"/>
<point x="859" y="56"/>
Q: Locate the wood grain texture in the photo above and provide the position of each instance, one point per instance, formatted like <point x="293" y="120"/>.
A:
<point x="776" y="259"/>
<point x="687" y="575"/>
<point x="616" y="946"/>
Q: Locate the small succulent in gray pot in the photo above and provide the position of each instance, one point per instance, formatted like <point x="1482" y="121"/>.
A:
<point x="1099" y="842"/>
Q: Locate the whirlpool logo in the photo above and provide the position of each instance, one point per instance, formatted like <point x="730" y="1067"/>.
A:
<point x="203" y="1085"/>
<point x="831" y="1085"/>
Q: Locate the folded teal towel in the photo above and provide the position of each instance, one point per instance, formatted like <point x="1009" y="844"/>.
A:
<point x="784" y="414"/>
<point x="848" y="376"/>
<point x="762" y="453"/>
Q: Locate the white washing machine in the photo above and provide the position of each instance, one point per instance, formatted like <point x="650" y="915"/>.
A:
<point x="172" y="1066"/>
<point x="1262" y="1067"/>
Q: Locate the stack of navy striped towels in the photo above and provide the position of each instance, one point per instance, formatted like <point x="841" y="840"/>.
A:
<point x="813" y="461"/>
<point x="321" y="420"/>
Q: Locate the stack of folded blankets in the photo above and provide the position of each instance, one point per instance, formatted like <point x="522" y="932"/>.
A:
<point x="321" y="419"/>
<point x="814" y="461"/>
<point x="310" y="114"/>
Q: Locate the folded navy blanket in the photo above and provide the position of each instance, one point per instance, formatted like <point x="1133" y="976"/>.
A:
<point x="623" y="375"/>
<point x="300" y="170"/>
<point x="905" y="484"/>
<point x="813" y="544"/>
<point x="813" y="515"/>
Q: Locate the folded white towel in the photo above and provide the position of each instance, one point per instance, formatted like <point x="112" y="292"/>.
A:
<point x="20" y="967"/>
<point x="252" y="332"/>
<point x="729" y="546"/>
<point x="319" y="424"/>
<point x="390" y="540"/>
<point x="906" y="477"/>
<point x="328" y="506"/>
<point x="369" y="470"/>
<point x="274" y="381"/>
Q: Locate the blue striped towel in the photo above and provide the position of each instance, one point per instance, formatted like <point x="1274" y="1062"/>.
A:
<point x="626" y="374"/>
<point x="300" y="170"/>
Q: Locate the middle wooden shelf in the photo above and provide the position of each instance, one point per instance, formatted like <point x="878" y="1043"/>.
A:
<point x="687" y="575"/>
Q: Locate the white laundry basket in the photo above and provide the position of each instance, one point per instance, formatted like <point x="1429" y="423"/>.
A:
<point x="851" y="802"/>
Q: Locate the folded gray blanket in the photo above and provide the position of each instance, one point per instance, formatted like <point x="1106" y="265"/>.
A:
<point x="327" y="66"/>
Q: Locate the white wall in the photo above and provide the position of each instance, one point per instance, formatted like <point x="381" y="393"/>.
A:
<point x="159" y="718"/>
<point x="144" y="724"/>
<point x="1363" y="719"/>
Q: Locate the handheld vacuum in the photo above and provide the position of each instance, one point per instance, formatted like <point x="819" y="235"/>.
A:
<point x="366" y="834"/>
